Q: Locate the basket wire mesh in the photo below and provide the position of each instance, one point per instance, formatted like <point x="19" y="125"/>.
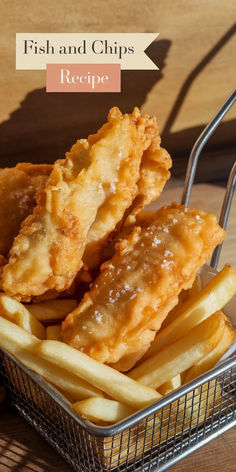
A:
<point x="155" y="437"/>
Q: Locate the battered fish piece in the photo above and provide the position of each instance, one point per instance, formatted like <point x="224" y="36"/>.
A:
<point x="18" y="188"/>
<point x="141" y="219"/>
<point x="85" y="198"/>
<point x="3" y="262"/>
<point x="119" y="317"/>
<point x="153" y="174"/>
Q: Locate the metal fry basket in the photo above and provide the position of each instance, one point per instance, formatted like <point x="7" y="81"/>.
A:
<point x="156" y="437"/>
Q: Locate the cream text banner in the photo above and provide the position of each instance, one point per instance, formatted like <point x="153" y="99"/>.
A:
<point x="36" y="50"/>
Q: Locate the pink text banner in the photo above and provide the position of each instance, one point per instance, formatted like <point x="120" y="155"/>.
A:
<point x="83" y="78"/>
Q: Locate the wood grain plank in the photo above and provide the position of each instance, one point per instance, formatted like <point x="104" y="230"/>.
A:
<point x="23" y="450"/>
<point x="218" y="455"/>
<point x="194" y="53"/>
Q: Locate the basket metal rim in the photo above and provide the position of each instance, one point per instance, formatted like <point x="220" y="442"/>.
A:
<point x="106" y="431"/>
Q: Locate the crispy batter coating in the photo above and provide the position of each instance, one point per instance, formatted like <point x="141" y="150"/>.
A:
<point x="152" y="175"/>
<point x="140" y="219"/>
<point x="85" y="198"/>
<point x="18" y="188"/>
<point x="3" y="262"/>
<point x="118" y="318"/>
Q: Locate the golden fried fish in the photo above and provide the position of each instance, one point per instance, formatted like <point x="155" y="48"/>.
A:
<point x="86" y="197"/>
<point x="18" y="188"/>
<point x="125" y="307"/>
<point x="153" y="174"/>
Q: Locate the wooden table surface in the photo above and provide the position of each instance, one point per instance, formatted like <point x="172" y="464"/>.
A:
<point x="195" y="77"/>
<point x="23" y="450"/>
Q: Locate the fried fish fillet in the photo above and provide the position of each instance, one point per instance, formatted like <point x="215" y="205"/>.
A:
<point x="18" y="188"/>
<point x="118" y="318"/>
<point x="85" y="198"/>
<point x="152" y="175"/>
<point x="140" y="219"/>
<point x="3" y="262"/>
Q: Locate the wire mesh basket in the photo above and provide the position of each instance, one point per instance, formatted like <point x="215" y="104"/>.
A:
<point x="155" y="437"/>
<point x="151" y="440"/>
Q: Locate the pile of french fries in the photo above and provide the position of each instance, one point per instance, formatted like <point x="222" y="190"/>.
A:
<point x="193" y="338"/>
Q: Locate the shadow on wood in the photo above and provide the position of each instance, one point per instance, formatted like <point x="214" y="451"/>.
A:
<point x="22" y="449"/>
<point x="221" y="146"/>
<point x="47" y="124"/>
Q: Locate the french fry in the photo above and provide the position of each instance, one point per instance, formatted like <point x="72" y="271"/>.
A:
<point x="113" y="383"/>
<point x="170" y="385"/>
<point x="21" y="345"/>
<point x="191" y="409"/>
<point x="14" y="311"/>
<point x="183" y="375"/>
<point x="183" y="297"/>
<point x="182" y="354"/>
<point x="53" y="332"/>
<point x="209" y="361"/>
<point x="210" y="299"/>
<point x="52" y="310"/>
<point x="102" y="410"/>
<point x="187" y="411"/>
<point x="118" y="450"/>
<point x="130" y="443"/>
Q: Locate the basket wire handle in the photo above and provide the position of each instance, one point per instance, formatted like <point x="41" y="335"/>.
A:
<point x="224" y="214"/>
<point x="200" y="143"/>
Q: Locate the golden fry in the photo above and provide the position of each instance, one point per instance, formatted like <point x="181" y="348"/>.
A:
<point x="170" y="385"/>
<point x="210" y="299"/>
<point x="113" y="383"/>
<point x="182" y="354"/>
<point x="52" y="310"/>
<point x="209" y="361"/>
<point x="53" y="332"/>
<point x="102" y="410"/>
<point x="21" y="345"/>
<point x="184" y="296"/>
<point x="14" y="311"/>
